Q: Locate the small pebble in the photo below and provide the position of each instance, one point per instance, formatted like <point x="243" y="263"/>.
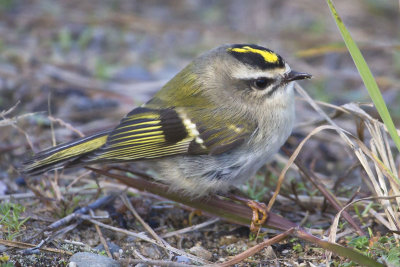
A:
<point x="102" y="213"/>
<point x="151" y="252"/>
<point x="201" y="252"/>
<point x="284" y="252"/>
<point x="86" y="259"/>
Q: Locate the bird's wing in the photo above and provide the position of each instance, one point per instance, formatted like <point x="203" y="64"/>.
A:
<point x="147" y="133"/>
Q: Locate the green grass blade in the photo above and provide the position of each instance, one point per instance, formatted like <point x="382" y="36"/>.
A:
<point x="366" y="75"/>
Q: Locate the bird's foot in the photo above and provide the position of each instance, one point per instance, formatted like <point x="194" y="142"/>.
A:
<point x="258" y="209"/>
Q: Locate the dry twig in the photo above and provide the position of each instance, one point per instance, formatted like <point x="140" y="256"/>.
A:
<point x="144" y="238"/>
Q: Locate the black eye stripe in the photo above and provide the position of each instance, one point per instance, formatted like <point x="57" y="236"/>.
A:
<point x="261" y="83"/>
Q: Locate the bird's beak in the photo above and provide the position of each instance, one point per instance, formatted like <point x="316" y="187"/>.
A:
<point x="294" y="76"/>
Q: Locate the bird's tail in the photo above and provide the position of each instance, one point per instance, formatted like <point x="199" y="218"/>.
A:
<point x="63" y="155"/>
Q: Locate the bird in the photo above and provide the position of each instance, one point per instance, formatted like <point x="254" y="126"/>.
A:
<point x="208" y="129"/>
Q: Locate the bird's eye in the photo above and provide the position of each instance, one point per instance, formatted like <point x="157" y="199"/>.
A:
<point x="262" y="83"/>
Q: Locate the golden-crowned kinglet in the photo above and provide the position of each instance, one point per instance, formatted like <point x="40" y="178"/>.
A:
<point x="212" y="126"/>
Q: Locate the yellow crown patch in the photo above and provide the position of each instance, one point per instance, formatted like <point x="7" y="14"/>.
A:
<point x="268" y="56"/>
